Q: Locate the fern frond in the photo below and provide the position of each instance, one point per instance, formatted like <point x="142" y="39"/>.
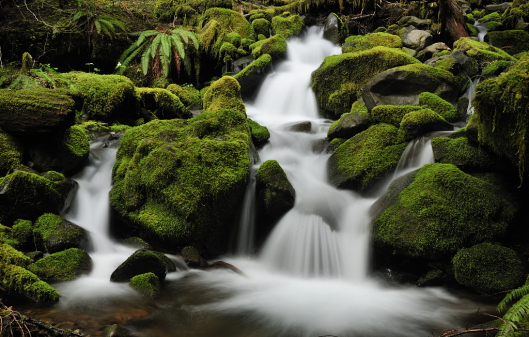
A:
<point x="130" y="50"/>
<point x="16" y="82"/>
<point x="179" y="46"/>
<point x="145" y="59"/>
<point x="98" y="26"/>
<point x="131" y="57"/>
<point x="155" y="45"/>
<point x="187" y="64"/>
<point x="187" y="35"/>
<point x="165" y="55"/>
<point x="114" y="21"/>
<point x="78" y="15"/>
<point x="44" y="76"/>
<point x="3" y="79"/>
<point x="108" y="25"/>
<point x="144" y="35"/>
<point x="516" y="293"/>
<point x="182" y="33"/>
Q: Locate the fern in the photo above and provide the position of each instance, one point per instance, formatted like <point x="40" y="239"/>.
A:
<point x="516" y="313"/>
<point x="103" y="23"/>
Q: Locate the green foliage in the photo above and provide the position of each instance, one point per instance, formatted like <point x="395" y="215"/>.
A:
<point x="62" y="266"/>
<point x="89" y="18"/>
<point x="516" y="314"/>
<point x="157" y="49"/>
<point x="147" y="284"/>
<point x="364" y="42"/>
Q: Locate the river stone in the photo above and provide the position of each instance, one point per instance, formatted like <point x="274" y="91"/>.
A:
<point x="402" y="86"/>
<point x="275" y="194"/>
<point x="419" y="122"/>
<point x="350" y="125"/>
<point x="192" y="257"/>
<point x="141" y="262"/>
<point x="413" y="21"/>
<point x="62" y="266"/>
<point x="500" y="8"/>
<point x="333" y="28"/>
<point x="417" y="39"/>
<point x="300" y="127"/>
<point x="427" y="52"/>
<point x="253" y="74"/>
<point x="54" y="234"/>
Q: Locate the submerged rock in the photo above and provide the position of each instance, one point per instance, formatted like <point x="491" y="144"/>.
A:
<point x="141" y="262"/>
<point x="300" y="127"/>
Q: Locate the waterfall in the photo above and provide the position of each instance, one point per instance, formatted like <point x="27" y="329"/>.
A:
<point x="482" y="30"/>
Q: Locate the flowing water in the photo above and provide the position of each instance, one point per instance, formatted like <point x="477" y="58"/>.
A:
<point x="312" y="275"/>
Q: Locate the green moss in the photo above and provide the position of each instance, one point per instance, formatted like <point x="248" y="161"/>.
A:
<point x="246" y="43"/>
<point x="75" y="146"/>
<point x="163" y="103"/>
<point x="511" y="41"/>
<point x="366" y="158"/>
<point x="442" y="53"/>
<point x="357" y="43"/>
<point x="391" y="114"/>
<point x="147" y="284"/>
<point x="54" y="233"/>
<point x="257" y="16"/>
<point x="477" y="14"/>
<point x="11" y="153"/>
<point x="286" y="27"/>
<point x="393" y="29"/>
<point x="501" y="114"/>
<point x="262" y="62"/>
<point x="180" y="182"/>
<point x="228" y="52"/>
<point x="260" y="37"/>
<point x="119" y="128"/>
<point x="9" y="255"/>
<point x="472" y="30"/>
<point x="493" y="25"/>
<point x="260" y="133"/>
<point x="481" y="51"/>
<point x="339" y="78"/>
<point x="234" y="38"/>
<point x="489" y="268"/>
<point x="187" y="95"/>
<point x="439" y="105"/>
<point x="379" y="30"/>
<point x="464" y="154"/>
<point x="273" y="182"/>
<point x="335" y="143"/>
<point x="94" y="126"/>
<point x="16" y="279"/>
<point x="416" y="123"/>
<point x="442" y="210"/>
<point x="23" y="233"/>
<point x="261" y="27"/>
<point x="497" y="67"/>
<point x="470" y="17"/>
<point x="492" y="16"/>
<point x="62" y="266"/>
<point x="107" y="96"/>
<point x="276" y="47"/>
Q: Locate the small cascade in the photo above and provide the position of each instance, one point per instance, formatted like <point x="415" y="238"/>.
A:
<point x="246" y="236"/>
<point x="471" y="91"/>
<point x="482" y="30"/>
<point x="417" y="153"/>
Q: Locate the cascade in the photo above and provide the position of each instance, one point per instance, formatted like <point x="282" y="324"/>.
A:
<point x="482" y="30"/>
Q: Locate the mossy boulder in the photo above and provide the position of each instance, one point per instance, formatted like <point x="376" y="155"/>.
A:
<point x="11" y="153"/>
<point x="38" y="112"/>
<point x="140" y="262"/>
<point x="339" y="78"/>
<point x="489" y="268"/>
<point x="511" y="41"/>
<point x="260" y="134"/>
<point x="459" y="64"/>
<point x="275" y="194"/>
<point x="146" y="284"/>
<point x="439" y="105"/>
<point x="366" y="158"/>
<point x="107" y="97"/>
<point x="435" y="211"/>
<point x="501" y="114"/>
<point x="61" y="153"/>
<point x="54" y="234"/>
<point x="27" y="195"/>
<point x="334" y="29"/>
<point x="187" y="95"/>
<point x="466" y="155"/>
<point x="253" y="75"/>
<point x="481" y="52"/>
<point x="162" y="103"/>
<point x="10" y="255"/>
<point x="419" y="122"/>
<point x="23" y="234"/>
<point x="179" y="182"/>
<point x="192" y="257"/>
<point x="392" y="114"/>
<point x="276" y="47"/>
<point x="350" y="123"/>
<point x="261" y="27"/>
<point x="62" y="266"/>
<point x="19" y="281"/>
<point x="403" y="85"/>
<point x="497" y="67"/>
<point x="286" y="27"/>
<point x="356" y="43"/>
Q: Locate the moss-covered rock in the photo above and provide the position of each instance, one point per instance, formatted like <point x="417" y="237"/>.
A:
<point x="350" y="123"/>
<point x="180" y="182"/>
<point x="501" y="114"/>
<point x="11" y="153"/>
<point x="17" y="280"/>
<point x="511" y="41"/>
<point x="439" y="105"/>
<point x="27" y="195"/>
<point x="62" y="266"/>
<point x="481" y="51"/>
<point x="38" y="112"/>
<point x="107" y="97"/>
<point x="54" y="234"/>
<point x="334" y="29"/>
<point x="10" y="255"/>
<point x="187" y="95"/>
<point x="286" y="27"/>
<point x="275" y="194"/>
<point x="392" y="114"/>
<point x="162" y="103"/>
<point x="459" y="64"/>
<point x="260" y="134"/>
<point x="439" y="210"/>
<point x="419" y="122"/>
<point x="141" y="262"/>
<point x="276" y="47"/>
<point x="488" y="268"/>
<point x="252" y="75"/>
<point x="340" y="77"/>
<point x="61" y="153"/>
<point x="261" y="27"/>
<point x="497" y="67"/>
<point x="147" y="284"/>
<point x="23" y="233"/>
<point x="366" y="158"/>
<point x="356" y="43"/>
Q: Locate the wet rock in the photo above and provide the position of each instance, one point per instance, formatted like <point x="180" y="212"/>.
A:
<point x="224" y="265"/>
<point x="413" y="21"/>
<point x="192" y="257"/>
<point x="419" y="122"/>
<point x="53" y="233"/>
<point x="275" y="194"/>
<point x="300" y="127"/>
<point x="350" y="124"/>
<point x="137" y="243"/>
<point x="117" y="331"/>
<point x="62" y="266"/>
<point x="333" y="29"/>
<point x="427" y="52"/>
<point x="141" y="262"/>
<point x="251" y="77"/>
<point x="260" y="134"/>
<point x="35" y="256"/>
<point x="462" y="105"/>
<point x="417" y="39"/>
<point x="500" y="8"/>
<point x="147" y="284"/>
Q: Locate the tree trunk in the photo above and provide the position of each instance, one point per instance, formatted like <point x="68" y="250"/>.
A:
<point x="453" y="19"/>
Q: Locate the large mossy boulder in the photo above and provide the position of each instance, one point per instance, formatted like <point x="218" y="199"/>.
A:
<point x="22" y="233"/>
<point x="107" y="97"/>
<point x="286" y="27"/>
<point x="62" y="266"/>
<point x="350" y="123"/>
<point x="162" y="103"/>
<point x="459" y="64"/>
<point x="403" y="85"/>
<point x="489" y="268"/>
<point x="419" y="122"/>
<point x="146" y="284"/>
<point x="275" y="194"/>
<point x="366" y="158"/>
<point x="356" y="43"/>
<point x="253" y="75"/>
<point x="11" y="153"/>
<point x="27" y="195"/>
<point x="481" y="52"/>
<point x="501" y="114"/>
<point x="61" y="153"/>
<point x="179" y="182"/>
<point x="54" y="234"/>
<point x="38" y="112"/>
<point x="339" y="78"/>
<point x="276" y="47"/>
<point x="435" y="211"/>
<point x="141" y="262"/>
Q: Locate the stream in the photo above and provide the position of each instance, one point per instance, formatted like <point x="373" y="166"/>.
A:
<point x="312" y="276"/>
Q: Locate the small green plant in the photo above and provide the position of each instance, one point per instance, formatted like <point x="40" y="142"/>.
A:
<point x="516" y="313"/>
<point x="92" y="21"/>
<point x="89" y="64"/>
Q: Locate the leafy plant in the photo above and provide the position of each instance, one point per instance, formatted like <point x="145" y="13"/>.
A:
<point x="516" y="313"/>
<point x="158" y="48"/>
<point x="89" y="17"/>
<point x="41" y="77"/>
